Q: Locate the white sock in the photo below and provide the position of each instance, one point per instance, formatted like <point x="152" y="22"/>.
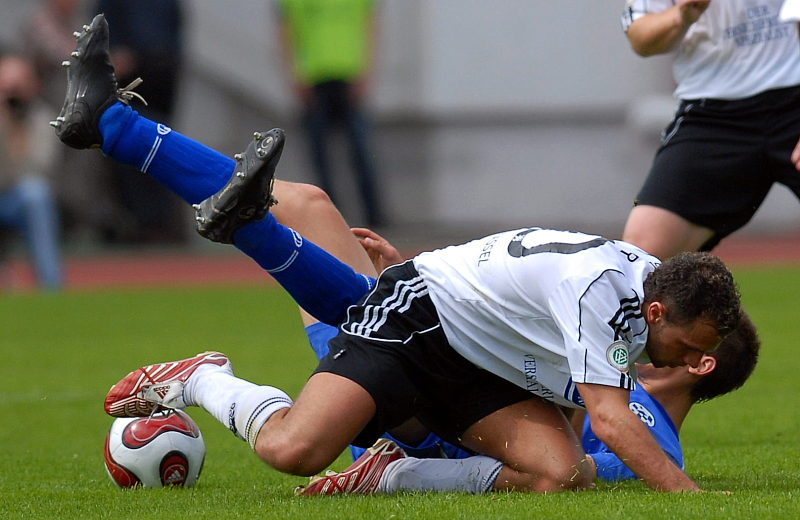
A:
<point x="473" y="475"/>
<point x="240" y="405"/>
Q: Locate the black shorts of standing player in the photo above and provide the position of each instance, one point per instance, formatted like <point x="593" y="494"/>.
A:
<point x="394" y="347"/>
<point x="718" y="159"/>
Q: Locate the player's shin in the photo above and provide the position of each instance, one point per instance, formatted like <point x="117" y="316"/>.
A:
<point x="190" y="169"/>
<point x="243" y="407"/>
<point x="318" y="282"/>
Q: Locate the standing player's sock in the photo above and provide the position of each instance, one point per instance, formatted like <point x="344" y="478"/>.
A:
<point x="240" y="405"/>
<point x="473" y="475"/>
<point x="321" y="284"/>
<point x="191" y="170"/>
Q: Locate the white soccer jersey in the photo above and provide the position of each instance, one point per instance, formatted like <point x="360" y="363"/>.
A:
<point x="736" y="49"/>
<point x="543" y="309"/>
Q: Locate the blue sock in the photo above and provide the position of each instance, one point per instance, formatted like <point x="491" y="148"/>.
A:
<point x="318" y="336"/>
<point x="431" y="447"/>
<point x="191" y="170"/>
<point x="318" y="282"/>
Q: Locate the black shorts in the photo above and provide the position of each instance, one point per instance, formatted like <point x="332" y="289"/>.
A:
<point x="718" y="159"/>
<point x="394" y="347"/>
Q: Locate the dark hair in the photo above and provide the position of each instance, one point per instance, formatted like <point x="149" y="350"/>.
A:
<point x="736" y="359"/>
<point x="695" y="285"/>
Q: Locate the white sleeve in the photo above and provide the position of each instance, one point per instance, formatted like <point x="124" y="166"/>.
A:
<point x="790" y="11"/>
<point x="635" y="9"/>
<point x="596" y="330"/>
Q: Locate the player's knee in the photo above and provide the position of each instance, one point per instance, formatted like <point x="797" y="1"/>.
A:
<point x="303" y="195"/>
<point x="571" y="478"/>
<point x="554" y="479"/>
<point x="298" y="202"/>
<point x="313" y="196"/>
<point x="290" y="456"/>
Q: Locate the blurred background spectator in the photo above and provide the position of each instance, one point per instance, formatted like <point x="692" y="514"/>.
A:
<point x="147" y="41"/>
<point x="329" y="49"/>
<point x="90" y="207"/>
<point x="27" y="152"/>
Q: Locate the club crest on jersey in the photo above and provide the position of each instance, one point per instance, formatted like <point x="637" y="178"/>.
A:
<point x="617" y="355"/>
<point x="643" y="413"/>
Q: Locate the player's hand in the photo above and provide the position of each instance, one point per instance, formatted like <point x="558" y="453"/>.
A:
<point x="380" y="251"/>
<point x="796" y="156"/>
<point x="692" y="9"/>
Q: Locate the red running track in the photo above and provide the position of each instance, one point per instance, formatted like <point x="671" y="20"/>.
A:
<point x="181" y="269"/>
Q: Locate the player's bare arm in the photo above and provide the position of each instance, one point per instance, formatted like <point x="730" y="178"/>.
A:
<point x="624" y="433"/>
<point x="659" y="33"/>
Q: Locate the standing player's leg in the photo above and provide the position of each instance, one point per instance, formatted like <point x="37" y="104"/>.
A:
<point x="663" y="233"/>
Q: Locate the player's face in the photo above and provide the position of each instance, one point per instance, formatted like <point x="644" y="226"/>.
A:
<point x="670" y="345"/>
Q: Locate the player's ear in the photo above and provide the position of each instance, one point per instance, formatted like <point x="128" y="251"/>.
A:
<point x="706" y="366"/>
<point x="655" y="311"/>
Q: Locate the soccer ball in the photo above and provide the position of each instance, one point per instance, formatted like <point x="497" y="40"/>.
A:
<point x="166" y="449"/>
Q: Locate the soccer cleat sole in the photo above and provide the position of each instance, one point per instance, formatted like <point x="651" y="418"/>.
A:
<point x="248" y="194"/>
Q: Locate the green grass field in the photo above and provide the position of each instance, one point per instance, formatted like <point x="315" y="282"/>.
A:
<point x="61" y="352"/>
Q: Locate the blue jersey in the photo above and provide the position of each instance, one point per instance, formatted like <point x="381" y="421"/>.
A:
<point x="653" y="415"/>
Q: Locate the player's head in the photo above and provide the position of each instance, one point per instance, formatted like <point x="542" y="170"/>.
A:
<point x="690" y="304"/>
<point x="19" y="85"/>
<point x="735" y="359"/>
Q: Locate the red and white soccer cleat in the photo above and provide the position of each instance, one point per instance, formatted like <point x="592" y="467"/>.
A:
<point x="362" y="476"/>
<point x="153" y="387"/>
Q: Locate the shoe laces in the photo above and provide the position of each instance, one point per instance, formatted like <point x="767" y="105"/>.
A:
<point x="127" y="94"/>
<point x="159" y="410"/>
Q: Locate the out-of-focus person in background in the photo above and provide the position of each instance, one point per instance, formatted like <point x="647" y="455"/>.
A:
<point x="27" y="152"/>
<point x="89" y="207"/>
<point x="790" y="12"/>
<point x="147" y="38"/>
<point x="47" y="38"/>
<point x="737" y="69"/>
<point x="329" y="48"/>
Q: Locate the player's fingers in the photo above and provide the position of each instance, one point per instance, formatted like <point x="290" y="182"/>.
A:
<point x="796" y="156"/>
<point x="366" y="232"/>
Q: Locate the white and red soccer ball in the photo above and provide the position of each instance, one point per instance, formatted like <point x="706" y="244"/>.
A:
<point x="166" y="449"/>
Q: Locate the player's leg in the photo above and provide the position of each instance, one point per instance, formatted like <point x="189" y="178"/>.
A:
<point x="707" y="179"/>
<point x="327" y="415"/>
<point x="309" y="210"/>
<point x="526" y="448"/>
<point x="537" y="446"/>
<point x="663" y="233"/>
